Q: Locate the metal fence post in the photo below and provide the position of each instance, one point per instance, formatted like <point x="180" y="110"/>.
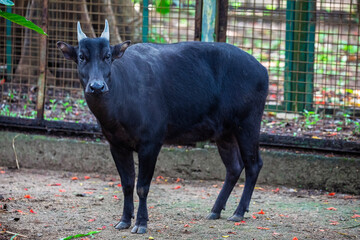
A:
<point x="299" y="64"/>
<point x="8" y="45"/>
<point x="145" y="28"/>
<point x="208" y="21"/>
<point x="43" y="63"/>
<point x="221" y="23"/>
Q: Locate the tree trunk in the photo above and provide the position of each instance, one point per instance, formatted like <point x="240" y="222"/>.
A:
<point x="28" y="66"/>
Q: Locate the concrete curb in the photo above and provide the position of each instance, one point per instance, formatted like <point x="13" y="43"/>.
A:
<point x="280" y="168"/>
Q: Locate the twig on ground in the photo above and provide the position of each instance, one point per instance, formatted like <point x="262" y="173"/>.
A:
<point x="17" y="234"/>
<point x="13" y="145"/>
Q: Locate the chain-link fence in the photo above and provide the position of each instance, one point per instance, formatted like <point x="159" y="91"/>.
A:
<point x="311" y="50"/>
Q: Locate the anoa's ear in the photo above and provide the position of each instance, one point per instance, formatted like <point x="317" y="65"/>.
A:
<point x="69" y="52"/>
<point x="119" y="50"/>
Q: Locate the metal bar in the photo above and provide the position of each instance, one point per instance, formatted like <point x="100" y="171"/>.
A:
<point x="198" y="20"/>
<point x="289" y="42"/>
<point x="300" y="42"/>
<point x="8" y="46"/>
<point x="222" y="17"/>
<point x="145" y="28"/>
<point x="43" y="63"/>
<point x="208" y="21"/>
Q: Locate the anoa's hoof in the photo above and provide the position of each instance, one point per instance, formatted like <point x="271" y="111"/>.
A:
<point x="213" y="216"/>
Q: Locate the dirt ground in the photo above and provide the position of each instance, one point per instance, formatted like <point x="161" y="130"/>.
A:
<point x="53" y="205"/>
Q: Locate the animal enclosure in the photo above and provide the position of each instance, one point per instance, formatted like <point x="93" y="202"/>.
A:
<point x="310" y="48"/>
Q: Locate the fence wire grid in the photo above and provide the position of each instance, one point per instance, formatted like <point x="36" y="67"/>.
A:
<point x="310" y="48"/>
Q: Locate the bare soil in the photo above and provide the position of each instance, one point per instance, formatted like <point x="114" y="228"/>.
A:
<point x="60" y="206"/>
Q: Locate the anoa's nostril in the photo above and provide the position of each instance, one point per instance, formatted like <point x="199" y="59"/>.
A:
<point x="97" y="86"/>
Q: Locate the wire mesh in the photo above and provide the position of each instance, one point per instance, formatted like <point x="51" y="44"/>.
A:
<point x="311" y="50"/>
<point x="19" y="64"/>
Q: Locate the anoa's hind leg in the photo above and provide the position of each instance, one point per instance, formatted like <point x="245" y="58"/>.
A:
<point x="248" y="140"/>
<point x="230" y="155"/>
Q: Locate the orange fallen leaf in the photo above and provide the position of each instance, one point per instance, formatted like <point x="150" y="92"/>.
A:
<point x="239" y="223"/>
<point x="178" y="179"/>
<point x="276" y="190"/>
<point x="2" y="81"/>
<point x="87" y="177"/>
<point x="27" y="196"/>
<point x="263" y="228"/>
<point x="88" y="192"/>
<point x="32" y="211"/>
<point x="186" y="225"/>
<point x="25" y="189"/>
<point x="253" y="216"/>
<point x="151" y="207"/>
<point x="332" y="209"/>
<point x="115" y="197"/>
<point x="2" y="172"/>
<point x="334" y="222"/>
<point x="215" y="185"/>
<point x="261" y="212"/>
<point x="62" y="190"/>
<point x="295" y="238"/>
<point x="331" y="194"/>
<point x="119" y="185"/>
<point x="355" y="216"/>
<point x="177" y="187"/>
<point x="91" y="220"/>
<point x="159" y="177"/>
<point x="74" y="178"/>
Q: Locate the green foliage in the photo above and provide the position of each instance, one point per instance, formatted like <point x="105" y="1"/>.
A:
<point x="7" y="3"/>
<point x="311" y="118"/>
<point x="163" y="6"/>
<point x="15" y="18"/>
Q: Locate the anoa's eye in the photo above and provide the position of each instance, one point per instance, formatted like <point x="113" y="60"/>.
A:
<point x="107" y="56"/>
<point x="81" y="57"/>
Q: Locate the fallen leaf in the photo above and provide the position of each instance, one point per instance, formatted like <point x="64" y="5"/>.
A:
<point x="119" y="185"/>
<point x="151" y="238"/>
<point x="276" y="190"/>
<point x="87" y="177"/>
<point x="331" y="194"/>
<point x="215" y="185"/>
<point x="225" y="236"/>
<point x="334" y="222"/>
<point x="2" y="81"/>
<point x="239" y="223"/>
<point x="332" y="209"/>
<point x="355" y="216"/>
<point x="88" y="192"/>
<point x="177" y="187"/>
<point x="62" y="190"/>
<point x="261" y="212"/>
<point x="32" y="211"/>
<point x="259" y="188"/>
<point x="151" y="207"/>
<point x="253" y="216"/>
<point x="25" y="189"/>
<point x="2" y="172"/>
<point x="91" y="220"/>
<point x="55" y="184"/>
<point x="159" y="177"/>
<point x="263" y="228"/>
<point x="178" y="179"/>
<point x="295" y="238"/>
<point x="27" y="196"/>
<point x="186" y="225"/>
<point x="115" y="197"/>
<point x="74" y="178"/>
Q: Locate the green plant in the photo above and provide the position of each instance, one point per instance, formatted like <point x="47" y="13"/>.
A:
<point x="311" y="118"/>
<point x="53" y="104"/>
<point x="357" y="128"/>
<point x="19" y="19"/>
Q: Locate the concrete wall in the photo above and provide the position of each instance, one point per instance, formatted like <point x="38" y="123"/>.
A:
<point x="280" y="168"/>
